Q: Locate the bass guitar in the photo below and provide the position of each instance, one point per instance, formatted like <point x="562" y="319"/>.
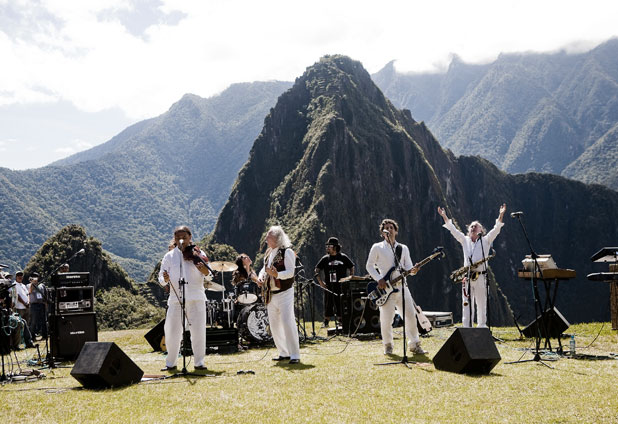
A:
<point x="379" y="296"/>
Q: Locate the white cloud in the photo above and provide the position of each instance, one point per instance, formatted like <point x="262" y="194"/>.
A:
<point x="88" y="54"/>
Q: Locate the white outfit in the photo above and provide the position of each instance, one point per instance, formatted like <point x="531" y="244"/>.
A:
<point x="381" y="257"/>
<point x="21" y="292"/>
<point x="195" y="306"/>
<point x="473" y="252"/>
<point x="281" y="308"/>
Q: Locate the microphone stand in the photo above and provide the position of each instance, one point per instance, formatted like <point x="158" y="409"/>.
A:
<point x="183" y="315"/>
<point x="487" y="310"/>
<point x="314" y="284"/>
<point x="470" y="298"/>
<point x="299" y="305"/>
<point x="404" y="283"/>
<point x="537" y="301"/>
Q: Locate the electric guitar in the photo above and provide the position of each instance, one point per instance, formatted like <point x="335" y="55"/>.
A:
<point x="379" y="296"/>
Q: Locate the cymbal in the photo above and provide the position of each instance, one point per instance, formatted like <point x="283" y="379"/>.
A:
<point x="223" y="266"/>
<point x="212" y="286"/>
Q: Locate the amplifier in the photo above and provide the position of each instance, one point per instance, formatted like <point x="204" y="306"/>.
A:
<point x="439" y="319"/>
<point x="70" y="279"/>
<point x="74" y="300"/>
<point x="218" y="340"/>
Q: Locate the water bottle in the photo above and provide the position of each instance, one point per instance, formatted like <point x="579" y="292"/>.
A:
<point x="572" y="344"/>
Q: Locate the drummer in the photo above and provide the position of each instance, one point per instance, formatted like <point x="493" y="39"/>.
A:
<point x="244" y="271"/>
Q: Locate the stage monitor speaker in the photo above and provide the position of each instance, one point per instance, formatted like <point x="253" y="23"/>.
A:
<point x="155" y="337"/>
<point x="218" y="340"/>
<point x="70" y="332"/>
<point x="468" y="351"/>
<point x="101" y="365"/>
<point x="360" y="316"/>
<point x="555" y="324"/>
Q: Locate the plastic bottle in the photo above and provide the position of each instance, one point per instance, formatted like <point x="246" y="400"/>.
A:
<point x="572" y="345"/>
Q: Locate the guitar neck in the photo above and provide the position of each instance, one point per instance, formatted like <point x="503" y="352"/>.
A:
<point x="418" y="266"/>
<point x="427" y="260"/>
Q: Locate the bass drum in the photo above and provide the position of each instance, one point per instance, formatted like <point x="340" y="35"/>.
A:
<point x="253" y="325"/>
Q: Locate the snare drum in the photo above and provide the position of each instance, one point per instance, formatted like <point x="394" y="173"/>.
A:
<point x="247" y="292"/>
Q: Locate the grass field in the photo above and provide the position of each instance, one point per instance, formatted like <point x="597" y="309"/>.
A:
<point x="338" y="382"/>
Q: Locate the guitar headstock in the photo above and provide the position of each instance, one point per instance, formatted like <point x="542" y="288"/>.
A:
<point x="439" y="250"/>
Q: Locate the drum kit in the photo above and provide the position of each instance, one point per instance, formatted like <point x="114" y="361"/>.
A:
<point x="242" y="308"/>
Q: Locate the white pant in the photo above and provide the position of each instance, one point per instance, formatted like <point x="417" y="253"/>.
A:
<point x="387" y="314"/>
<point x="283" y="324"/>
<point x="196" y="315"/>
<point x="477" y="300"/>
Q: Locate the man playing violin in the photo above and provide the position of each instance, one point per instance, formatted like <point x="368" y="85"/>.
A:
<point x="175" y="267"/>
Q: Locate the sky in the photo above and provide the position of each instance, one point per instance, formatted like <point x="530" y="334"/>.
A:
<point x="74" y="73"/>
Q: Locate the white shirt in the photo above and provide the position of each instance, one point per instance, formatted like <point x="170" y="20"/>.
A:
<point x="381" y="256"/>
<point x="194" y="289"/>
<point x="21" y="292"/>
<point x="471" y="248"/>
<point x="290" y="262"/>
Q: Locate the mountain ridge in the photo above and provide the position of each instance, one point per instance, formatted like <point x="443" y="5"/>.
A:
<point x="524" y="111"/>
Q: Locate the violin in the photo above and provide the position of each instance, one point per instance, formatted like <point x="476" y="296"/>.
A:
<point x="193" y="253"/>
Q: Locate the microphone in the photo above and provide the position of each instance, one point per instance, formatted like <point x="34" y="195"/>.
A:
<point x="81" y="251"/>
<point x="181" y="242"/>
<point x="516" y="214"/>
<point x="386" y="232"/>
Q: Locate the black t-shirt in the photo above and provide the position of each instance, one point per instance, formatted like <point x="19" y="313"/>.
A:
<point x="334" y="267"/>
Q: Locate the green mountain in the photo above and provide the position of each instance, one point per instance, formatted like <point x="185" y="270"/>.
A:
<point x="553" y="113"/>
<point x="335" y="157"/>
<point x="133" y="190"/>
<point x="119" y="303"/>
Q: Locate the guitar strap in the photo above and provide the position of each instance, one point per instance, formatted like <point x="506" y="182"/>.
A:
<point x="398" y="251"/>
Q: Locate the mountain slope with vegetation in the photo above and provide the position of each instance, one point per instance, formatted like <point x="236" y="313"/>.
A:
<point x="131" y="192"/>
<point x="335" y="157"/>
<point x="553" y="113"/>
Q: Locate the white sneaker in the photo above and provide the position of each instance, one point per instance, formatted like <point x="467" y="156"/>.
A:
<point x="416" y="348"/>
<point x="388" y="349"/>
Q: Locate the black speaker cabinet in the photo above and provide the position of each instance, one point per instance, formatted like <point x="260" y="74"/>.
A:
<point x="155" y="336"/>
<point x="360" y="316"/>
<point x="468" y="351"/>
<point x="102" y="365"/>
<point x="70" y="332"/>
<point x="218" y="340"/>
<point x="554" y="322"/>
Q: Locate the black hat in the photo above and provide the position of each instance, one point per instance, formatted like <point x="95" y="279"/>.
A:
<point x="35" y="274"/>
<point x="18" y="273"/>
<point x="333" y="241"/>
